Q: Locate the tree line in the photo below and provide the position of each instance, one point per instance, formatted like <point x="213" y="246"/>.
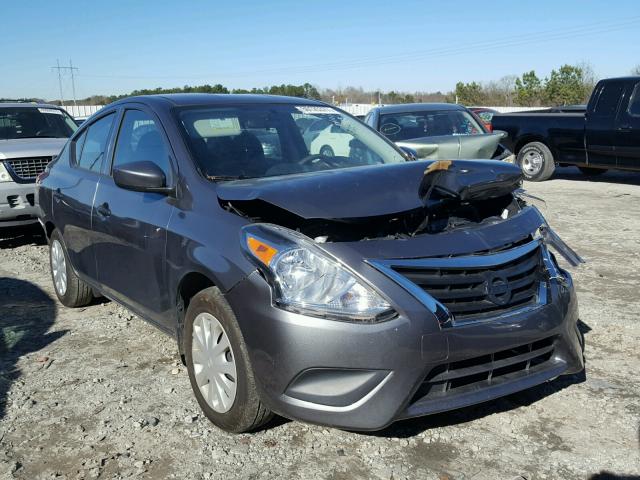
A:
<point x="567" y="85"/>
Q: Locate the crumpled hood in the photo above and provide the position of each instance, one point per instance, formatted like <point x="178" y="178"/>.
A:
<point x="451" y="147"/>
<point x="31" y="147"/>
<point x="342" y="194"/>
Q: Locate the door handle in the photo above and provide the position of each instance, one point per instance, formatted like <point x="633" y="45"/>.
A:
<point x="103" y="210"/>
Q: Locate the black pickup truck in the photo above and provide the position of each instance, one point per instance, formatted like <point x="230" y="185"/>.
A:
<point x="606" y="136"/>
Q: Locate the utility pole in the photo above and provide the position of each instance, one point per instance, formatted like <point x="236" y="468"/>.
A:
<point x="59" y="81"/>
<point x="73" y="82"/>
<point x="72" y="70"/>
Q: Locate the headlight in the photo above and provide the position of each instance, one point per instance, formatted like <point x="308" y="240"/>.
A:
<point x="306" y="279"/>
<point x="4" y="175"/>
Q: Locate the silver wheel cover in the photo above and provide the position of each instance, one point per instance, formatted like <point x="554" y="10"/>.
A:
<point x="214" y="364"/>
<point x="532" y="162"/>
<point x="58" y="268"/>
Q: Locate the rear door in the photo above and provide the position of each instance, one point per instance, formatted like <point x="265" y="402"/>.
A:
<point x="628" y="128"/>
<point x="80" y="170"/>
<point x="132" y="226"/>
<point x="601" y="124"/>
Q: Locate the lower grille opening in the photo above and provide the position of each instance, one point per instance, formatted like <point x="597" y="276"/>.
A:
<point x="31" y="199"/>
<point x="480" y="372"/>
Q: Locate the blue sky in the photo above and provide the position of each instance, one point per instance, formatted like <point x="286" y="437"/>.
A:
<point x="122" y="45"/>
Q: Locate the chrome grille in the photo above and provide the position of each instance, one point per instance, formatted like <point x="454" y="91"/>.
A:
<point x="28" y="168"/>
<point x="477" y="286"/>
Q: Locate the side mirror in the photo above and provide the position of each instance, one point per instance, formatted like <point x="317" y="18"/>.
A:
<point x="142" y="176"/>
<point x="502" y="133"/>
<point x="410" y="153"/>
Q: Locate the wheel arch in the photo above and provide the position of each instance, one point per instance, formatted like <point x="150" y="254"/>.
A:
<point x="49" y="227"/>
<point x="531" y="138"/>
<point x="189" y="285"/>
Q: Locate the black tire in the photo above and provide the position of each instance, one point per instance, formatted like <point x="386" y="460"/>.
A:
<point x="247" y="412"/>
<point x="77" y="293"/>
<point x="533" y="171"/>
<point x="590" y="171"/>
<point x="327" y="151"/>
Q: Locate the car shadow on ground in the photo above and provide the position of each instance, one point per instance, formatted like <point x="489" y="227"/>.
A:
<point x="611" y="176"/>
<point x="412" y="427"/>
<point x="20" y="236"/>
<point x="604" y="475"/>
<point x="26" y="314"/>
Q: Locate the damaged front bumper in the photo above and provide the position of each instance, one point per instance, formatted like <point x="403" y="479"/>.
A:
<point x="426" y="359"/>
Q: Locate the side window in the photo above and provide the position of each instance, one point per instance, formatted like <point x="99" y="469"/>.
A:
<point x="78" y="143"/>
<point x="63" y="156"/>
<point x="91" y="145"/>
<point x="634" y="103"/>
<point x="609" y="99"/>
<point x="140" y="140"/>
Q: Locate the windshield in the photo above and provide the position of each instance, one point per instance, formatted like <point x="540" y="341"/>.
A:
<point x="249" y="141"/>
<point x="35" y="122"/>
<point x="405" y="126"/>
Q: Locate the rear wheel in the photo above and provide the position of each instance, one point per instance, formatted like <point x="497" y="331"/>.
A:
<point x="592" y="171"/>
<point x="218" y="364"/>
<point x="536" y="161"/>
<point x="70" y="290"/>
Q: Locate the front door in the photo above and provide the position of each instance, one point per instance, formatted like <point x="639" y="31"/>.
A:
<point x="131" y="226"/>
<point x="601" y="125"/>
<point x="628" y="129"/>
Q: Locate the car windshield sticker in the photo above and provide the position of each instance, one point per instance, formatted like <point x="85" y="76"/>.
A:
<point x="55" y="111"/>
<point x="312" y="110"/>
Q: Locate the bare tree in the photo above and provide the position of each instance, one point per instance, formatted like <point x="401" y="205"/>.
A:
<point x="635" y="70"/>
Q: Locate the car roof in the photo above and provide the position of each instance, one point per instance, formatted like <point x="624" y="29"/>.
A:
<point x="418" y="107"/>
<point x="213" y="99"/>
<point x="483" y="109"/>
<point x="626" y="79"/>
<point x="29" y="105"/>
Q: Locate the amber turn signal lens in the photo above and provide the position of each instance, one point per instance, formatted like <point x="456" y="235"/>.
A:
<point x="261" y="250"/>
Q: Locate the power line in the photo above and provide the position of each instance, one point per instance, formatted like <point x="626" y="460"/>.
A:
<point x="71" y="70"/>
<point x="524" y="39"/>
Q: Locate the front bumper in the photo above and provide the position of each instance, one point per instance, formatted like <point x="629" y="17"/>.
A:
<point x="17" y="204"/>
<point x="364" y="377"/>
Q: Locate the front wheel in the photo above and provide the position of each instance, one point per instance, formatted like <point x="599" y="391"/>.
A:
<point x="536" y="161"/>
<point x="218" y="364"/>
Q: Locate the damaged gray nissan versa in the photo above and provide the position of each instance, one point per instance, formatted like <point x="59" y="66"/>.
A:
<point x="350" y="287"/>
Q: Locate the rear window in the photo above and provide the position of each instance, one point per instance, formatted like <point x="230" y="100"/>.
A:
<point x="634" y="105"/>
<point x="405" y="126"/>
<point x="35" y="122"/>
<point x="609" y="99"/>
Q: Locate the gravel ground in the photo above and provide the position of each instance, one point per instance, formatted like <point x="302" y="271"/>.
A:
<point x="98" y="393"/>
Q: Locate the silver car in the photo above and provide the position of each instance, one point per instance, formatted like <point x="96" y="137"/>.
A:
<point x="30" y="136"/>
<point x="438" y="131"/>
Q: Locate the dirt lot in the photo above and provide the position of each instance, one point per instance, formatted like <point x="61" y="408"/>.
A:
<point x="98" y="393"/>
